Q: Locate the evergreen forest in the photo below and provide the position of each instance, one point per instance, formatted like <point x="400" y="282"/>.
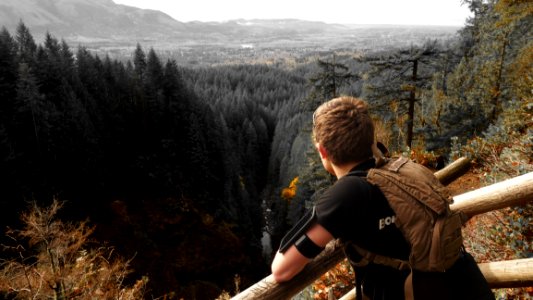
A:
<point x="183" y="180"/>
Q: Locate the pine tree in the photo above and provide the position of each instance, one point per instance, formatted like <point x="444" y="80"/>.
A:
<point x="153" y="85"/>
<point x="66" y="57"/>
<point x="48" y="71"/>
<point x="154" y="70"/>
<point x="26" y="47"/>
<point x="31" y="109"/>
<point x="395" y="83"/>
<point x="173" y="86"/>
<point x="479" y="88"/>
<point x="8" y="73"/>
<point x="139" y="61"/>
<point x="327" y="83"/>
<point x="31" y="137"/>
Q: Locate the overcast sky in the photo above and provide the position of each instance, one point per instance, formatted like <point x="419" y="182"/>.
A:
<point x="408" y="12"/>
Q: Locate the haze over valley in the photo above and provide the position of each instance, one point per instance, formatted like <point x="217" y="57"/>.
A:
<point x="106" y="28"/>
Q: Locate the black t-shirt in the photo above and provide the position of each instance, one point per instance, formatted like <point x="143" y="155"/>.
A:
<point x="353" y="210"/>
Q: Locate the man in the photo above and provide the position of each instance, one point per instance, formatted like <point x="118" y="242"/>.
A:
<point x="357" y="212"/>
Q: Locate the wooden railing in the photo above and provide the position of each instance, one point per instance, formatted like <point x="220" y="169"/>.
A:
<point x="514" y="273"/>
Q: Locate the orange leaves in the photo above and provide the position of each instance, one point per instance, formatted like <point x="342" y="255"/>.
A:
<point x="338" y="281"/>
<point x="289" y="192"/>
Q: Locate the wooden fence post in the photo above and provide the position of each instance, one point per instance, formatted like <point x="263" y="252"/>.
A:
<point x="508" y="273"/>
<point x="511" y="192"/>
<point x="267" y="288"/>
<point x="499" y="274"/>
<point x="453" y="170"/>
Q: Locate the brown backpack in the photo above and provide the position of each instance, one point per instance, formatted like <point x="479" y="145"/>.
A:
<point x="422" y="213"/>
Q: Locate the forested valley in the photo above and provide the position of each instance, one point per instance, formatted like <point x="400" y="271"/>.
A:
<point x="185" y="179"/>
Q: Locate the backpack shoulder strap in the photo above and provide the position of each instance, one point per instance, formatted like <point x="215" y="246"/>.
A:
<point x="367" y="257"/>
<point x="397" y="164"/>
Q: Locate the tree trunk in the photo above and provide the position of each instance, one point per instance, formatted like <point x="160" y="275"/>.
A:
<point x="411" y="110"/>
<point x="496" y="90"/>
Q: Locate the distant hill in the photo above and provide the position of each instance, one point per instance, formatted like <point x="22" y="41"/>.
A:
<point x="87" y="19"/>
<point x="105" y="23"/>
<point x="99" y="20"/>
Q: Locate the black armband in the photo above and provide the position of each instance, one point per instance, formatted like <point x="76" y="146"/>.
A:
<point x="307" y="247"/>
<point x="301" y="227"/>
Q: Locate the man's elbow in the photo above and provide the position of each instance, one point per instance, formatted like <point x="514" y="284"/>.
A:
<point x="286" y="265"/>
<point x="281" y="276"/>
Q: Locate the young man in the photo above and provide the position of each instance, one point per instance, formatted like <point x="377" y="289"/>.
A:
<point x="357" y="212"/>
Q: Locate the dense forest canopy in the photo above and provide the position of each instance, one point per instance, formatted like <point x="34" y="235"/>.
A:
<point x="170" y="161"/>
<point x="107" y="136"/>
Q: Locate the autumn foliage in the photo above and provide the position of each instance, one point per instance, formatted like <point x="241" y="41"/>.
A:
<point x="51" y="259"/>
<point x="289" y="192"/>
<point x="337" y="282"/>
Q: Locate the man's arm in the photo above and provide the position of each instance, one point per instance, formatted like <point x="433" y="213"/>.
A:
<point x="286" y="265"/>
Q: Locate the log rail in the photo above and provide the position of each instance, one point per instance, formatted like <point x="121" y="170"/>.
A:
<point x="514" y="273"/>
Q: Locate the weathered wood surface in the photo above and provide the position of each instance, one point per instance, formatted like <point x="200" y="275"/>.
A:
<point x="508" y="273"/>
<point x="499" y="274"/>
<point x="349" y="296"/>
<point x="507" y="193"/>
<point x="511" y="192"/>
<point x="267" y="288"/>
<point x="453" y="170"/>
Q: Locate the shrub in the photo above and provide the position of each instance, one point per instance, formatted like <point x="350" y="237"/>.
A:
<point x="51" y="259"/>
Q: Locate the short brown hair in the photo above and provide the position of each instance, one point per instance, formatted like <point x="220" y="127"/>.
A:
<point x="344" y="128"/>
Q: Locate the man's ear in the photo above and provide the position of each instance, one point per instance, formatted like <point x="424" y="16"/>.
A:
<point x="322" y="151"/>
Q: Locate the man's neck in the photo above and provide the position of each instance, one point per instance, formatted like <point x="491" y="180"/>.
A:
<point x="342" y="170"/>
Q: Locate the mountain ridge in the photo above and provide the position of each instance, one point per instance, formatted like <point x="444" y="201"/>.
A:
<point x="85" y="18"/>
<point x="103" y="21"/>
